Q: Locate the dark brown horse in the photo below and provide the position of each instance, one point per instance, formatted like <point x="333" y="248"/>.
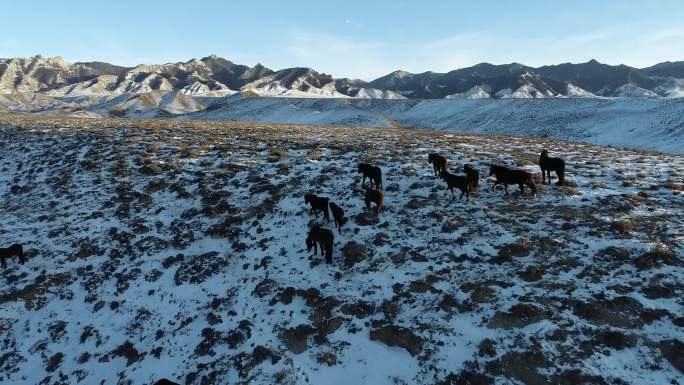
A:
<point x="458" y="181"/>
<point x="318" y="204"/>
<point x="16" y="250"/>
<point x="439" y="163"/>
<point x="338" y="216"/>
<point x="373" y="173"/>
<point x="551" y="164"/>
<point x="473" y="177"/>
<point x="318" y="236"/>
<point x="507" y="176"/>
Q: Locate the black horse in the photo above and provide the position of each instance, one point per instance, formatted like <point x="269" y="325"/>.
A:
<point x="318" y="203"/>
<point x="319" y="236"/>
<point x="507" y="176"/>
<point x="373" y="173"/>
<point x="551" y="164"/>
<point x="15" y="250"/>
<point x="439" y="163"/>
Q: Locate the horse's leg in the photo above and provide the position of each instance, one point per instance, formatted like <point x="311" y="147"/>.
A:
<point x="4" y="264"/>
<point x="505" y="188"/>
<point x="522" y="188"/>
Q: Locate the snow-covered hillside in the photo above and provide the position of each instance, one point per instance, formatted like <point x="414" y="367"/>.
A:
<point x="635" y="123"/>
<point x="166" y="248"/>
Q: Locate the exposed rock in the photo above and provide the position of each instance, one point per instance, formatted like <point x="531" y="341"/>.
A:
<point x="296" y="338"/>
<point x="615" y="339"/>
<point x="354" y="253"/>
<point x="397" y="336"/>
<point x="623" y="312"/>
<point x="518" y="316"/>
<point x="129" y="352"/>
<point x="673" y="351"/>
<point x="522" y="366"/>
<point x="200" y="268"/>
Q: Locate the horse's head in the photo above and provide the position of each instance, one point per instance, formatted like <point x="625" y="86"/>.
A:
<point x="443" y="174"/>
<point x="544" y="153"/>
<point x="492" y="170"/>
<point x="431" y="158"/>
<point x="307" y="198"/>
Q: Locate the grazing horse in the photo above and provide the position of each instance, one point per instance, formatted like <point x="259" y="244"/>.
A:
<point x="16" y="250"/>
<point x="458" y="181"/>
<point x="473" y="177"/>
<point x="439" y="163"/>
<point x="376" y="197"/>
<point x="338" y="216"/>
<point x="323" y="238"/>
<point x="552" y="164"/>
<point x="373" y="173"/>
<point x="506" y="176"/>
<point x="318" y="204"/>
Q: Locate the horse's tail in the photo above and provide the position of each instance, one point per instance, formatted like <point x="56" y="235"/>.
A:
<point x="380" y="177"/>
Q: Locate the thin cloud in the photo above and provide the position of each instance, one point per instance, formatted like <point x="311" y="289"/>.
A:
<point x="352" y="23"/>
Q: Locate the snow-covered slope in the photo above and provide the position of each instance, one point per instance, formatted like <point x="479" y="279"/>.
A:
<point x="630" y="90"/>
<point x="656" y="124"/>
<point x="164" y="248"/>
<point x="476" y="92"/>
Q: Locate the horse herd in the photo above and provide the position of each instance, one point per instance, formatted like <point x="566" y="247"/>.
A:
<point x="320" y="237"/>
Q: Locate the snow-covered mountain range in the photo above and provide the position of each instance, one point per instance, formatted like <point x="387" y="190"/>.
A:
<point x="215" y="76"/>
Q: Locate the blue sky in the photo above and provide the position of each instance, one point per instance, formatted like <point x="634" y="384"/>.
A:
<point x="361" y="39"/>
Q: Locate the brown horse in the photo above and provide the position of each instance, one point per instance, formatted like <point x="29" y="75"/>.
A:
<point x="506" y="176"/>
<point x="324" y="238"/>
<point x="376" y="197"/>
<point x="439" y="163"/>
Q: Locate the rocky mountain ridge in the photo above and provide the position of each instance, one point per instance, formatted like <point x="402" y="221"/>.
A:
<point x="216" y="76"/>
